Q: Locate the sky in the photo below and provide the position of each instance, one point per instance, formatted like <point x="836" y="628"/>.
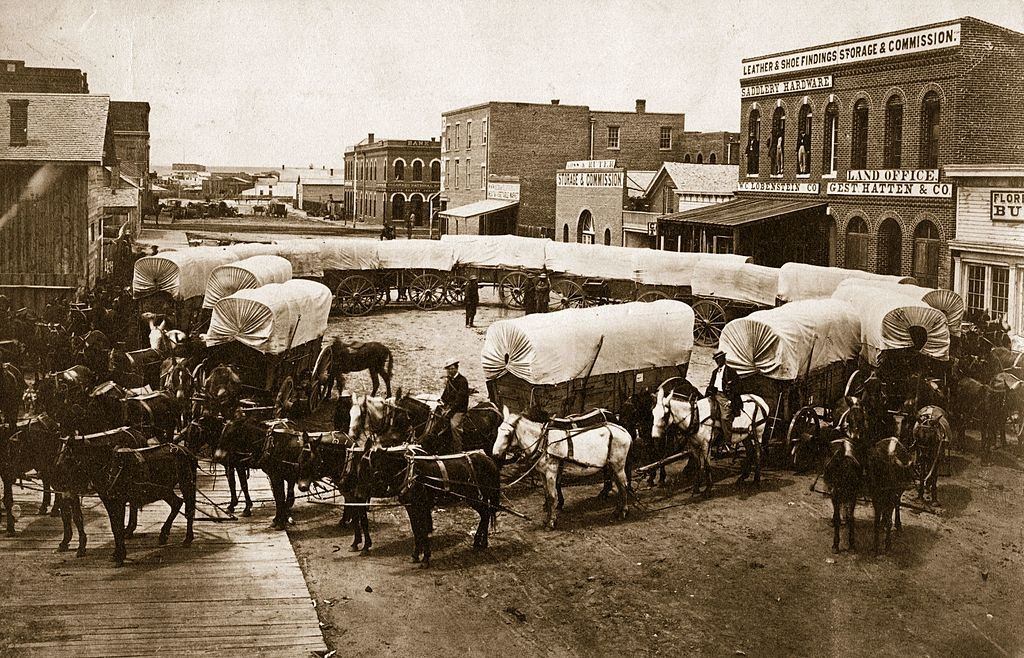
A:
<point x="261" y="82"/>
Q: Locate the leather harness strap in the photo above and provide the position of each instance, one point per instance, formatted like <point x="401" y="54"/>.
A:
<point x="444" y="475"/>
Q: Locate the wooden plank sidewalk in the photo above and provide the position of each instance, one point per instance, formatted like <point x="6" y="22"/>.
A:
<point x="237" y="589"/>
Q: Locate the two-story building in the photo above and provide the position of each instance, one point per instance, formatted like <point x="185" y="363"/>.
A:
<point x="392" y="180"/>
<point x="501" y="160"/>
<point x="846" y="145"/>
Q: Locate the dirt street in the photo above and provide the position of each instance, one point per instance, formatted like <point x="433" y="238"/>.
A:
<point x="747" y="572"/>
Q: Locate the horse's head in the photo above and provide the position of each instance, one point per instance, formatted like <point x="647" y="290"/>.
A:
<point x="233" y="437"/>
<point x="661" y="414"/>
<point x="310" y="462"/>
<point x="506" y="432"/>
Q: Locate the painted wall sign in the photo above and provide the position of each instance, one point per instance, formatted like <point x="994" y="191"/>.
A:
<point x="935" y="190"/>
<point x="1007" y="206"/>
<point x="779" y="186"/>
<point x="863" y="50"/>
<point x="787" y="87"/>
<point x="507" y="191"/>
<point x="589" y="179"/>
<point x="893" y="175"/>
<point x="590" y="164"/>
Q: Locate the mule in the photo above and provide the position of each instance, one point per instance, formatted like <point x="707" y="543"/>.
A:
<point x="162" y="339"/>
<point x="479" y="430"/>
<point x="372" y="471"/>
<point x="695" y="421"/>
<point x="32" y="447"/>
<point x="369" y="416"/>
<point x="222" y="391"/>
<point x="605" y="448"/>
<point x="843" y="472"/>
<point x="930" y="435"/>
<point x="202" y="434"/>
<point x="349" y="356"/>
<point x="890" y="473"/>
<point x="326" y="455"/>
<point x="271" y="448"/>
<point x="138" y="477"/>
<point x="465" y="479"/>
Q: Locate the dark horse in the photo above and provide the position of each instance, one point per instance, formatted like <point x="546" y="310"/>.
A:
<point x="844" y="472"/>
<point x="325" y="455"/>
<point x="12" y="392"/>
<point x="479" y="430"/>
<point x="351" y="356"/>
<point x="139" y="477"/>
<point x="33" y="447"/>
<point x="274" y="450"/>
<point x="890" y="473"/>
<point x="371" y="472"/>
<point x="466" y="479"/>
<point x="202" y="434"/>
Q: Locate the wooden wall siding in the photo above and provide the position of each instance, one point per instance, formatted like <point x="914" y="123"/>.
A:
<point x="974" y="219"/>
<point x="47" y="232"/>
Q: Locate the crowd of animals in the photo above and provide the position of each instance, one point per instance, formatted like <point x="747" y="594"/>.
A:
<point x="94" y="422"/>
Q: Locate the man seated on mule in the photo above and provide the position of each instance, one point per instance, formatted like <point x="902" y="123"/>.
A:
<point x="725" y="401"/>
<point x="455" y="402"/>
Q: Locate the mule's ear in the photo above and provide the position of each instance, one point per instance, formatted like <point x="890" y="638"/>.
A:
<point x="504" y="411"/>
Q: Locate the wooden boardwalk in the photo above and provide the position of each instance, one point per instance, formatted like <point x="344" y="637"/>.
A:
<point x="238" y="589"/>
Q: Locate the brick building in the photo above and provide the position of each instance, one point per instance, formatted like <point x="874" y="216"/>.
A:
<point x="848" y="142"/>
<point x="16" y="77"/>
<point x="391" y="179"/>
<point x="500" y="160"/>
<point x="721" y="148"/>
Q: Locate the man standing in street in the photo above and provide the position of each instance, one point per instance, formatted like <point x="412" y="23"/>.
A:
<point x="472" y="296"/>
<point x="543" y="293"/>
<point x="530" y="295"/>
<point x="455" y="402"/>
<point x="409" y="223"/>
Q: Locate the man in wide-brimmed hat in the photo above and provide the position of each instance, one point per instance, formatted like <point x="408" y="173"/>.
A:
<point x="722" y="391"/>
<point x="455" y="401"/>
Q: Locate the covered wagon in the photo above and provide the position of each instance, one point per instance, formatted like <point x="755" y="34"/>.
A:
<point x="950" y="303"/>
<point x="251" y="272"/>
<point x="573" y="360"/>
<point x="799" y="281"/>
<point x="798" y="358"/>
<point x="172" y="283"/>
<point x="273" y="336"/>
<point x="726" y="289"/>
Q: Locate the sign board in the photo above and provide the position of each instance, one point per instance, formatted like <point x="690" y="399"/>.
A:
<point x="1007" y="206"/>
<point x="787" y="87"/>
<point x="862" y="50"/>
<point x="420" y="142"/>
<point x="934" y="190"/>
<point x="893" y="175"/>
<point x="590" y="164"/>
<point x="652" y="229"/>
<point x="507" y="191"/>
<point x="779" y="186"/>
<point x="589" y="179"/>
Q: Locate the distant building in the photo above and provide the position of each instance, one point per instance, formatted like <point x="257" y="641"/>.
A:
<point x="320" y="186"/>
<point x="16" y="77"/>
<point x="592" y="201"/>
<point x="391" y="179"/>
<point x="57" y="152"/>
<point x="130" y="122"/>
<point x="710" y="148"/>
<point x="226" y="185"/>
<point x="187" y="166"/>
<point x="500" y="159"/>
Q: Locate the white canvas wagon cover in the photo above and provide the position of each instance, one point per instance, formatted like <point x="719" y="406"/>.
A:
<point x="251" y="272"/>
<point x="888" y="322"/>
<point x="735" y="280"/>
<point x="590" y="260"/>
<point x="656" y="267"/>
<point x="951" y="304"/>
<point x="802" y="281"/>
<point x="550" y="348"/>
<point x="787" y="342"/>
<point x="272" y="318"/>
<point x="509" y="251"/>
<point x="182" y="273"/>
<point x="416" y="254"/>
<point x="348" y="254"/>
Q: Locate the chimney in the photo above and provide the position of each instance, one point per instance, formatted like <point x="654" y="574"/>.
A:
<point x="19" y="121"/>
<point x="641" y="106"/>
<point x="554" y="101"/>
<point x="369" y="138"/>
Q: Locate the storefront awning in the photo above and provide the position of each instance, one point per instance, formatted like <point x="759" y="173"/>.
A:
<point x="741" y="212"/>
<point x="479" y="208"/>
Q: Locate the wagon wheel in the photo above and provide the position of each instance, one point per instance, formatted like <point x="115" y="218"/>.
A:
<point x="708" y="322"/>
<point x="855" y="384"/>
<point x="566" y="293"/>
<point x="651" y="296"/>
<point x="455" y="291"/>
<point x="511" y="289"/>
<point x="322" y="382"/>
<point x="356" y="295"/>
<point x="285" y="399"/>
<point x="802" y="437"/>
<point x="427" y="290"/>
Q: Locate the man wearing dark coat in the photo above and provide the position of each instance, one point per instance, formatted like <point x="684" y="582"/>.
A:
<point x="455" y="402"/>
<point x="543" y="294"/>
<point x="530" y="296"/>
<point x="722" y="391"/>
<point x="472" y="296"/>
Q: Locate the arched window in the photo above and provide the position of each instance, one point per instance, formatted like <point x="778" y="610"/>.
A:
<point x="417" y="170"/>
<point x="829" y="140"/>
<point x="399" y="170"/>
<point x="777" y="147"/>
<point x="926" y="254"/>
<point x="859" y="138"/>
<point x="712" y="159"/>
<point x="585" y="228"/>
<point x="892" y="155"/>
<point x="417" y="209"/>
<point x="565" y="233"/>
<point x="890" y="243"/>
<point x="700" y="158"/>
<point x="803" y="141"/>
<point x="931" y="113"/>
<point x="754" y="142"/>
<point x="435" y="172"/>
<point x="857" y="240"/>
<point x="398" y="208"/>
<point x="607" y="236"/>
<point x="686" y="158"/>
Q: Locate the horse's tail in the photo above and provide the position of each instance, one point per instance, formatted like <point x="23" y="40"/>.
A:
<point x="389" y="362"/>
